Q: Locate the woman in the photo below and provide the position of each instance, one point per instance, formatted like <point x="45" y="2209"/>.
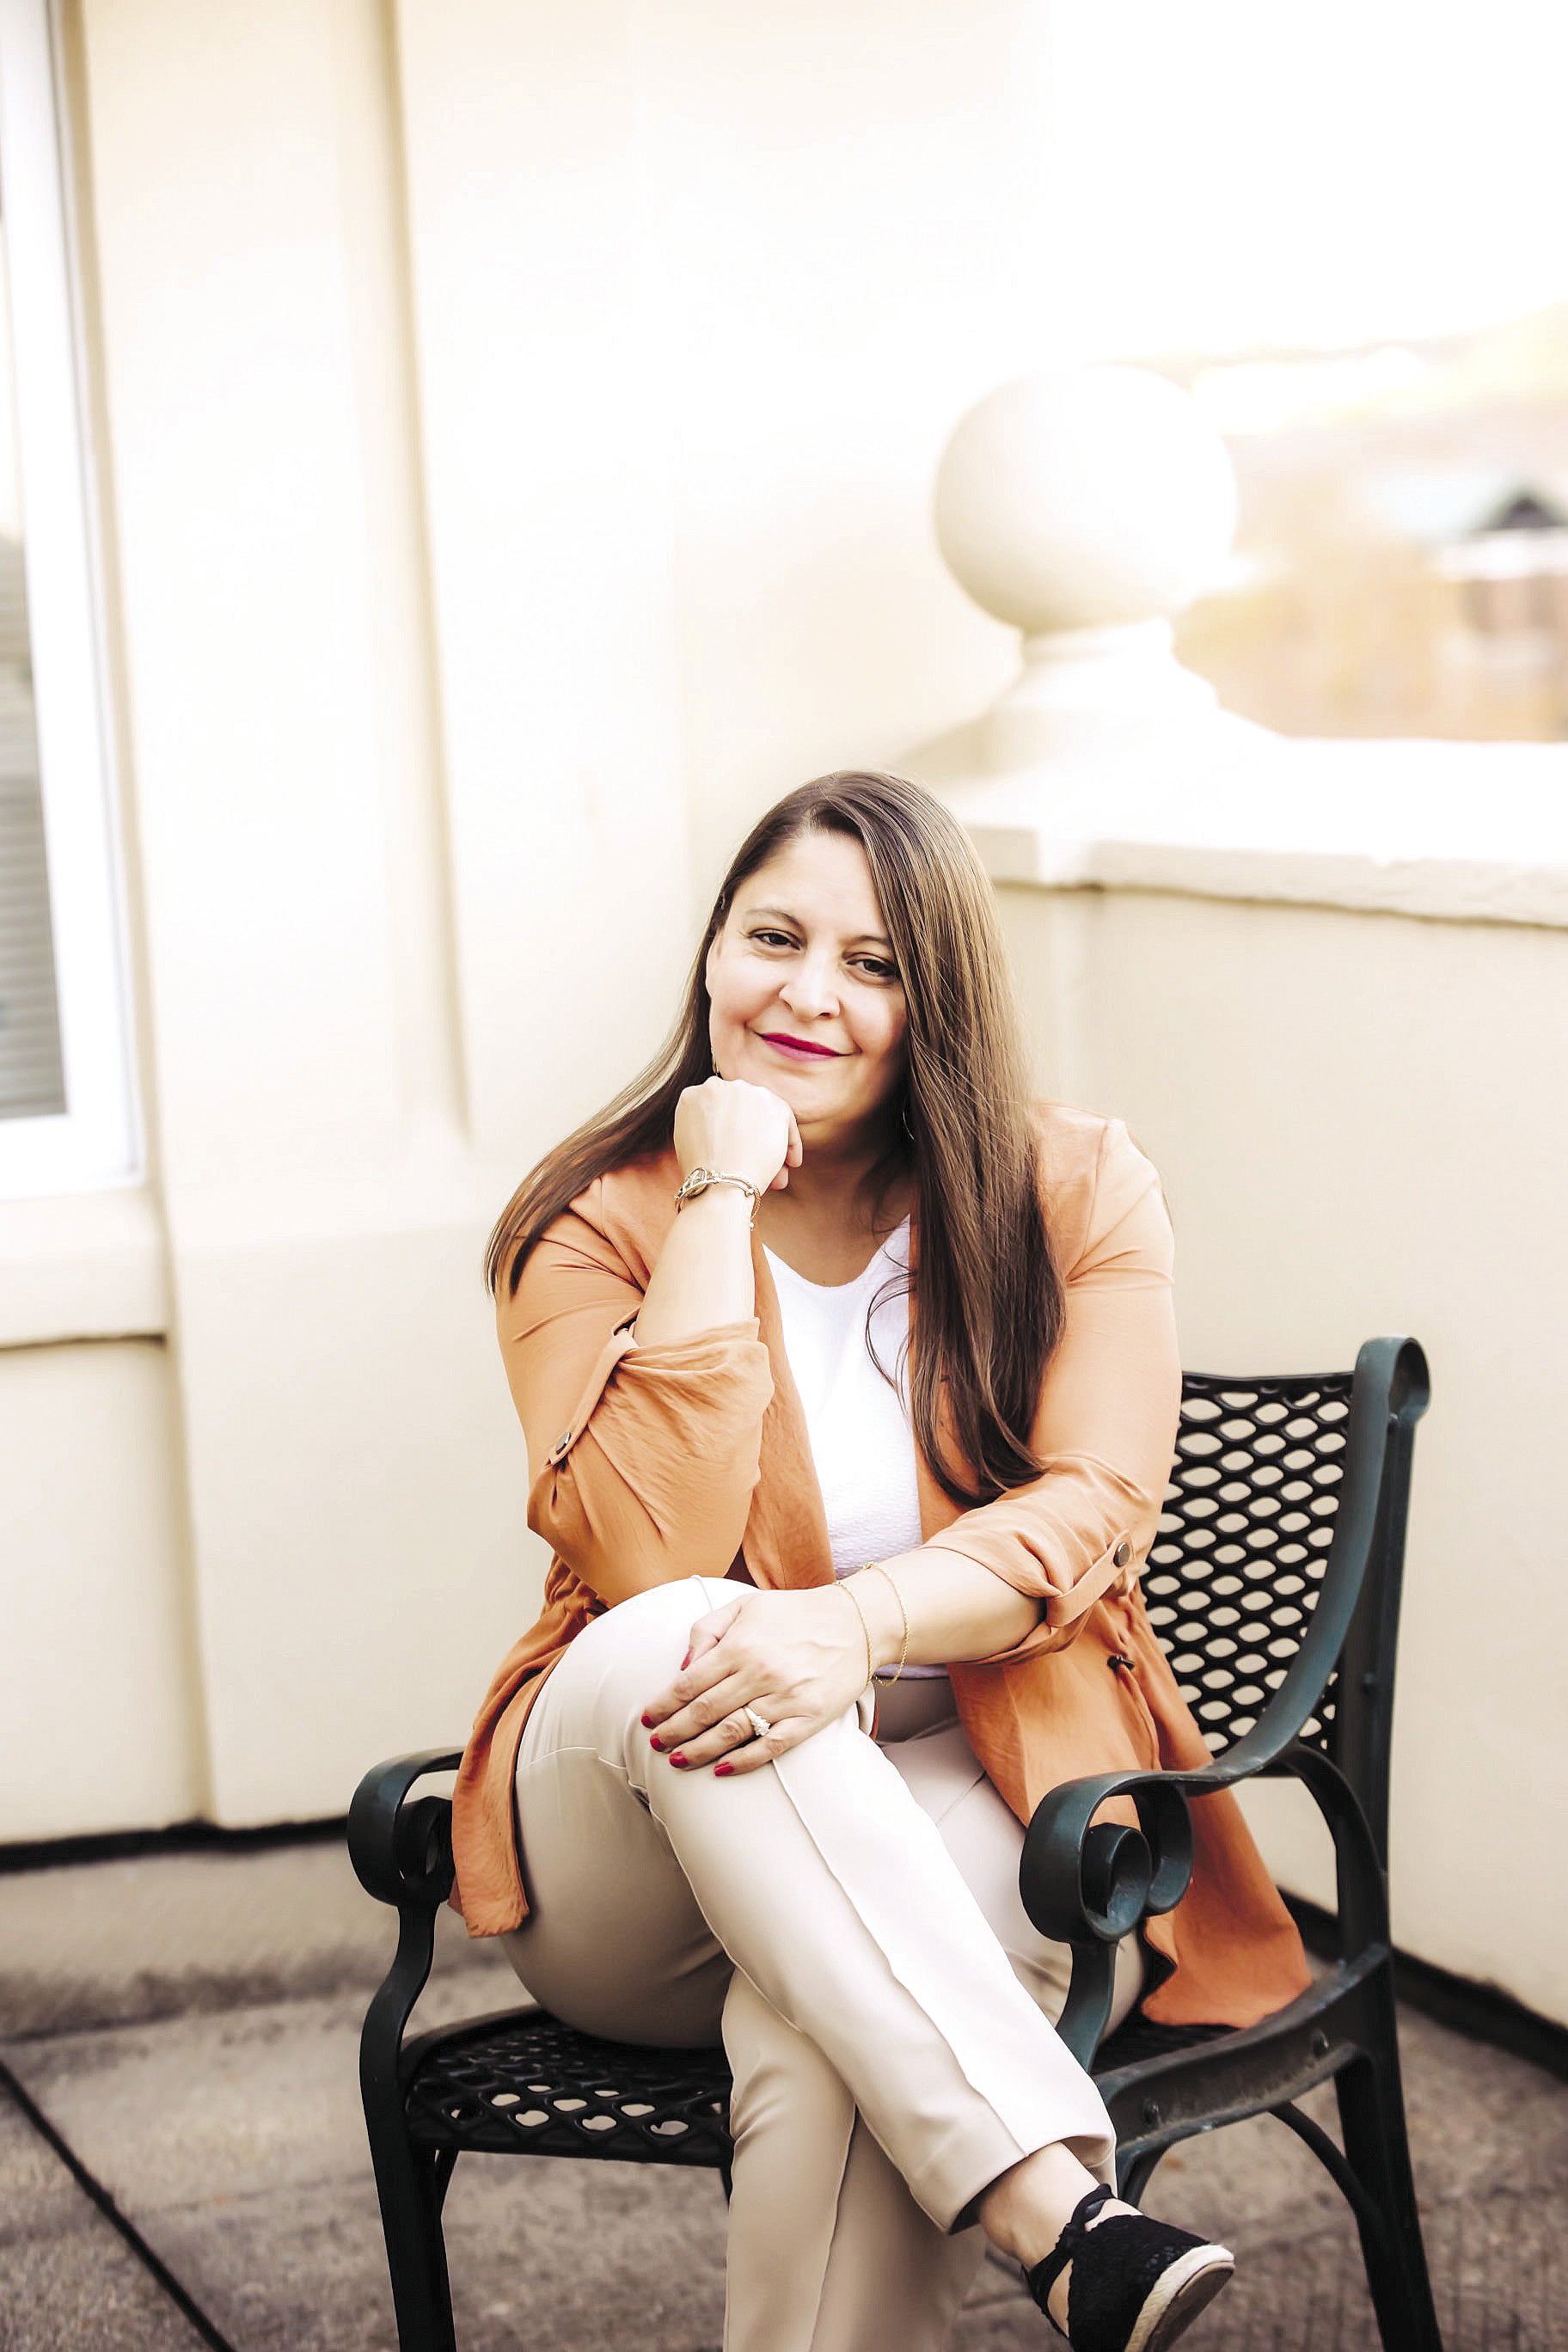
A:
<point x="836" y="1596"/>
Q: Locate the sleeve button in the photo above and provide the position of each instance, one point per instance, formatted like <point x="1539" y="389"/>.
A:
<point x="1122" y="1553"/>
<point x="562" y="1442"/>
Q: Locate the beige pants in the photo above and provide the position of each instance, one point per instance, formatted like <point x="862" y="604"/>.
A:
<point x="849" y="1920"/>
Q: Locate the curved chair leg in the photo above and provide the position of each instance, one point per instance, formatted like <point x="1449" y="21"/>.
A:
<point x="1134" y="2175"/>
<point x="411" y="2189"/>
<point x="1377" y="2149"/>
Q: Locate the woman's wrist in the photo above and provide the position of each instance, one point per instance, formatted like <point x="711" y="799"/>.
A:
<point x="714" y="1203"/>
<point x="879" y="1602"/>
<point x="718" y="1185"/>
<point x="703" y="1277"/>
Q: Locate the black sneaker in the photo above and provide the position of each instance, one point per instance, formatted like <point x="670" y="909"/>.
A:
<point x="1136" y="2283"/>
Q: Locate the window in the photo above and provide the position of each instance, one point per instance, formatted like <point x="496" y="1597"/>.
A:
<point x="67" y="1113"/>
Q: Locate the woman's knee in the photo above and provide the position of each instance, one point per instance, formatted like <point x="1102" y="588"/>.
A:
<point x="641" y="1641"/>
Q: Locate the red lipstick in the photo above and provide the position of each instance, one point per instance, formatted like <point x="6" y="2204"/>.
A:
<point x="798" y="1045"/>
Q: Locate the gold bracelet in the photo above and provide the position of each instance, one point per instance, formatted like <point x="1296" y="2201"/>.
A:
<point x="694" y="1185"/>
<point x="903" y="1612"/>
<point x="870" y="1662"/>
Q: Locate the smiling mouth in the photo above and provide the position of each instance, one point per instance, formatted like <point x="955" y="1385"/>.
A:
<point x="801" y="1051"/>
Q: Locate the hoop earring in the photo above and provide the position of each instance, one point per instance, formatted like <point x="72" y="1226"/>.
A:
<point x="904" y="1116"/>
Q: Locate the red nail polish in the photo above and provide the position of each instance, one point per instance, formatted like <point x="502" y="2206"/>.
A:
<point x="678" y="1760"/>
<point x="685" y="1662"/>
<point x="656" y="1742"/>
<point x="721" y="1770"/>
<point x="647" y="1723"/>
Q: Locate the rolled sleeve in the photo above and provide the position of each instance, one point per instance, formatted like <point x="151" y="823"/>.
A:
<point x="1105" y="1429"/>
<point x="643" y="1460"/>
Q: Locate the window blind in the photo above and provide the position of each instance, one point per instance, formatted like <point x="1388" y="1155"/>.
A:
<point x="32" y="1080"/>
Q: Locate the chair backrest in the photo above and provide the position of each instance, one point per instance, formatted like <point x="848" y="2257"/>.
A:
<point x="1237" y="1565"/>
<point x="1246" y="1552"/>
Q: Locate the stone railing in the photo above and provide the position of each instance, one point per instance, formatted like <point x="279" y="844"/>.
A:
<point x="1326" y="983"/>
<point x="1087" y="510"/>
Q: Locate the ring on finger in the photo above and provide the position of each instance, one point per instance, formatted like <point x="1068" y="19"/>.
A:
<point x="760" y="1725"/>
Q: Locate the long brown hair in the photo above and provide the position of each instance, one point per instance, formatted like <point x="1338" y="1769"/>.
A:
<point x="990" y="1293"/>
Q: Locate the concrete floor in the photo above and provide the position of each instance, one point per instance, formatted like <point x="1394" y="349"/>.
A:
<point x="185" y="2025"/>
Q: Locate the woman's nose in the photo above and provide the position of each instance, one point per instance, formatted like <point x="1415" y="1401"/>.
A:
<point x="810" y="988"/>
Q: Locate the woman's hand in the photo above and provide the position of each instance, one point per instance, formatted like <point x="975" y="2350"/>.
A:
<point x="799" y="1658"/>
<point x="745" y="1130"/>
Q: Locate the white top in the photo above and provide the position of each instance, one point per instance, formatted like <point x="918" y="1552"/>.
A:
<point x="862" y="1438"/>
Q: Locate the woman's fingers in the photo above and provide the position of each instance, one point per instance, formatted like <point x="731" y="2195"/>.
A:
<point x="786" y="1654"/>
<point x="725" y="1740"/>
<point x="794" y="1152"/>
<point x="788" y="1732"/>
<point x="695" y="1676"/>
<point x="731" y="1745"/>
<point x="709" y="1630"/>
<point x="698" y="1720"/>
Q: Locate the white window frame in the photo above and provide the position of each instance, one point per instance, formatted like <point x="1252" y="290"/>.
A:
<point x="97" y="1142"/>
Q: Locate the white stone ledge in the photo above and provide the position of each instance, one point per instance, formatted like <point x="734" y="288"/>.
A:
<point x="97" y="1266"/>
<point x="84" y="1265"/>
<point x="1442" y="890"/>
<point x="1446" y="831"/>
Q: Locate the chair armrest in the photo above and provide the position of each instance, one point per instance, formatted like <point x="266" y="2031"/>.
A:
<point x="402" y="1854"/>
<point x="1086" y="1883"/>
<point x="1082" y="1884"/>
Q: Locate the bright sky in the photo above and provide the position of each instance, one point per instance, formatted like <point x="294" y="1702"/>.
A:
<point x="1234" y="173"/>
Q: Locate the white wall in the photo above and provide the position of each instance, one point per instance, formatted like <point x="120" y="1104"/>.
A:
<point x="516" y="429"/>
<point x="344" y="1462"/>
<point x="700" y="291"/>
<point x="1361" y="1127"/>
<point x="97" y="1692"/>
<point x="851" y="207"/>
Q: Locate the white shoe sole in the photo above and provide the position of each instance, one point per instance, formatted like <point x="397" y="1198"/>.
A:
<point x="1179" y="2294"/>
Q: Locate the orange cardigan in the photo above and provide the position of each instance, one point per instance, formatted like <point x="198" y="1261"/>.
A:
<point x="691" y="1458"/>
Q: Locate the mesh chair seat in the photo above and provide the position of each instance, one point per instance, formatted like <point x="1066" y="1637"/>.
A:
<point x="524" y="2084"/>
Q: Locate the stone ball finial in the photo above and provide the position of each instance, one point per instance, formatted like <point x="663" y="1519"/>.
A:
<point x="1085" y="496"/>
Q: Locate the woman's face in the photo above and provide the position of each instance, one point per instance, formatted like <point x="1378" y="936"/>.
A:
<point x="802" y="961"/>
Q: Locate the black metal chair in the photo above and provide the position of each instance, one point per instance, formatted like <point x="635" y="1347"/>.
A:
<point x="1274" y="1585"/>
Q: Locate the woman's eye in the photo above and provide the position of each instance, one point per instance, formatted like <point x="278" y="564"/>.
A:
<point x="873" y="967"/>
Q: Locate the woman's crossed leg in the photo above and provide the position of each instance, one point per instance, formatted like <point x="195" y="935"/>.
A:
<point x="889" y="2066"/>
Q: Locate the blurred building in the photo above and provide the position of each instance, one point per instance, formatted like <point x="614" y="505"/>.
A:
<point x="1400" y="567"/>
<point x="1505" y="647"/>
